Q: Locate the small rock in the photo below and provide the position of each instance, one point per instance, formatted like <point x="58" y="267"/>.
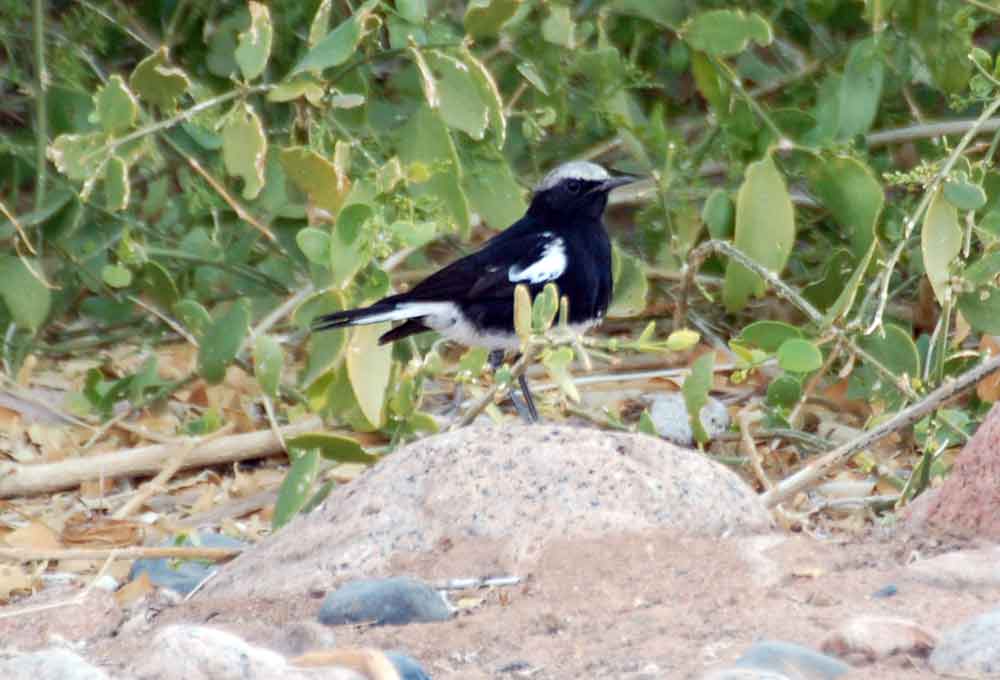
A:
<point x="960" y="569"/>
<point x="183" y="652"/>
<point x="745" y="674"/>
<point x="184" y="576"/>
<point x="869" y="638"/>
<point x="886" y="591"/>
<point x="971" y="648"/>
<point x="49" y="664"/>
<point x="669" y="414"/>
<point x="795" y="661"/>
<point x="407" y="667"/>
<point x="395" y="601"/>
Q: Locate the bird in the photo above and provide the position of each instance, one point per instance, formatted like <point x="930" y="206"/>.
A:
<point x="560" y="239"/>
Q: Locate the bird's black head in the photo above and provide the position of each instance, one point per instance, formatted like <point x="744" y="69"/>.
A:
<point x="575" y="190"/>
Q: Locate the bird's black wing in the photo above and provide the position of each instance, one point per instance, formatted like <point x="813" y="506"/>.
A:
<point x="493" y="271"/>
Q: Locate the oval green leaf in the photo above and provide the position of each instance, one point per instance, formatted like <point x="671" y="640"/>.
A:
<point x="940" y="243"/>
<point x="295" y="488"/>
<point x="254" y="44"/>
<point x="268" y="362"/>
<point x="765" y="231"/>
<point x="369" y="366"/>
<point x="221" y="341"/>
<point x="244" y="149"/>
<point x="27" y="298"/>
<point x="798" y="355"/>
<point x="331" y="447"/>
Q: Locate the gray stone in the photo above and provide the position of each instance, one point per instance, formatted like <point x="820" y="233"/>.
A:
<point x="393" y="601"/>
<point x="971" y="648"/>
<point x="792" y="660"/>
<point x="49" y="664"/>
<point x="669" y="414"/>
<point x="961" y="569"/>
<point x="183" y="652"/>
<point x="407" y="667"/>
<point x="183" y="576"/>
<point x="518" y="488"/>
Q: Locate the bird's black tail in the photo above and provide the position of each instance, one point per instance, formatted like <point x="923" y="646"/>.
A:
<point x="376" y="313"/>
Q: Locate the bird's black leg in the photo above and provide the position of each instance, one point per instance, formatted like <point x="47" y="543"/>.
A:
<point x="528" y="400"/>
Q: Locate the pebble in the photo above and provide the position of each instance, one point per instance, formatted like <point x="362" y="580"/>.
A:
<point x="394" y="601"/>
<point x="183" y="576"/>
<point x="670" y="418"/>
<point x="183" y="652"/>
<point x="865" y="639"/>
<point x="787" y="659"/>
<point x="49" y="664"/>
<point x="407" y="667"/>
<point x="971" y="648"/>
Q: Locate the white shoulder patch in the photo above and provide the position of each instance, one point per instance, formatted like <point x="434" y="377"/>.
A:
<point x="549" y="267"/>
<point x="585" y="170"/>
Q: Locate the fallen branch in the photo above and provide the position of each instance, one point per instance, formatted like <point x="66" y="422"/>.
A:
<point x="18" y="479"/>
<point x="180" y="552"/>
<point x="819" y="468"/>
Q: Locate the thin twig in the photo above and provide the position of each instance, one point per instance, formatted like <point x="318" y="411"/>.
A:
<point x="813" y="472"/>
<point x="749" y="448"/>
<point x="17" y="227"/>
<point x="41" y="109"/>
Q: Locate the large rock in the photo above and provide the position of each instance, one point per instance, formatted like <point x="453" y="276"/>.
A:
<point x="969" y="500"/>
<point x="516" y="486"/>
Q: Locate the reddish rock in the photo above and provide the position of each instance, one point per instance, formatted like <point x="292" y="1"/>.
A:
<point x="969" y="500"/>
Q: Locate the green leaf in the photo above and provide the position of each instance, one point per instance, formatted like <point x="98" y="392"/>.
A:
<point x="768" y="335"/>
<point x="338" y="45"/>
<point x="116" y="276"/>
<point x="845" y="300"/>
<point x="784" y="391"/>
<point x="193" y="315"/>
<point x="695" y="390"/>
<point x="556" y="364"/>
<point x="369" y="366"/>
<point x="682" y="339"/>
<point x="940" y="243"/>
<point x="424" y="139"/>
<point x="765" y="231"/>
<point x="458" y="92"/>
<point x="894" y="349"/>
<point x="531" y="74"/>
<point x="981" y="309"/>
<point x="254" y="44"/>
<point x="157" y="82"/>
<point x="317" y="177"/>
<point x="331" y="447"/>
<point x="244" y="149"/>
<point x="414" y="11"/>
<point x="493" y="191"/>
<point x="157" y="282"/>
<point x="849" y="190"/>
<point x="315" y="245"/>
<point x="295" y="488"/>
<point x="797" y="355"/>
<point x="964" y="195"/>
<point x="27" y="298"/>
<point x="221" y="341"/>
<point x="116" y="185"/>
<point x="268" y="362"/>
<point x="485" y="18"/>
<point x="724" y="33"/>
<point x="325" y="349"/>
<point x="860" y="89"/>
<point x="544" y="308"/>
<point x="522" y="312"/>
<point x="667" y="13"/>
<point x="558" y="27"/>
<point x="489" y="93"/>
<point x="717" y="214"/>
<point x="77" y="156"/>
<point x="115" y="107"/>
<point x="630" y="285"/>
<point x="347" y="246"/>
<point x="320" y="24"/>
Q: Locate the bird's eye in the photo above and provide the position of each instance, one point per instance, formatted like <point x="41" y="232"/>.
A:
<point x="573" y="186"/>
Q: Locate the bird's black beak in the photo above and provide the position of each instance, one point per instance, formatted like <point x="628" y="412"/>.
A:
<point x="614" y="182"/>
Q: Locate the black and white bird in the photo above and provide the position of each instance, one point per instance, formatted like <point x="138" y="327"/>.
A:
<point x="561" y="239"/>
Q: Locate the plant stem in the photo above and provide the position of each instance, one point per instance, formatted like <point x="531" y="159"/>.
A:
<point x="41" y="109"/>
